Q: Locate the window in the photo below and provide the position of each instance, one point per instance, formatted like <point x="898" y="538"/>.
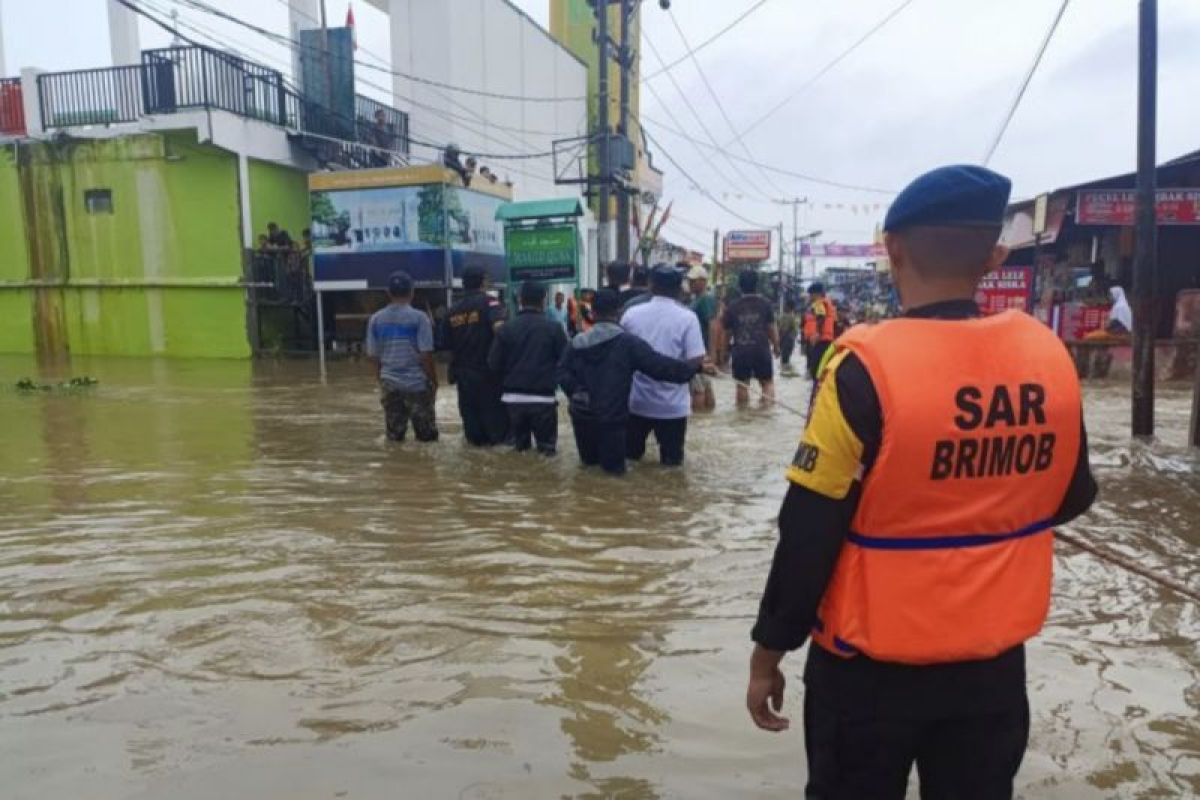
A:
<point x="98" y="201"/>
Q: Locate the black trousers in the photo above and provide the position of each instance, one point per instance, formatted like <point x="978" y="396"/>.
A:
<point x="536" y="421"/>
<point x="484" y="417"/>
<point x="816" y="351"/>
<point x="864" y="729"/>
<point x="670" y="434"/>
<point x="787" y="345"/>
<point x="600" y="443"/>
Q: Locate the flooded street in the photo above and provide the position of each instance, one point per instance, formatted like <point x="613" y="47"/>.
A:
<point x="217" y="580"/>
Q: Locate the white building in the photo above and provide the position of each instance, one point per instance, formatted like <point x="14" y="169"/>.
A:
<point x="479" y="74"/>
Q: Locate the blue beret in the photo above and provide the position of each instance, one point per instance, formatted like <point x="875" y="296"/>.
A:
<point x="957" y="196"/>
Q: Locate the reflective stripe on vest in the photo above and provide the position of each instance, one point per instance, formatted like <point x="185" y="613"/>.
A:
<point x="950" y="552"/>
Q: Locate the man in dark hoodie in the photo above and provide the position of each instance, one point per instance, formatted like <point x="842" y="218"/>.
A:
<point x="596" y="373"/>
<point x="525" y="354"/>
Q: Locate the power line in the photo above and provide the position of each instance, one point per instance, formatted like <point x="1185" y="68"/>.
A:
<point x="717" y="100"/>
<point x="780" y="170"/>
<point x="132" y="6"/>
<point x="700" y="120"/>
<point x="208" y="9"/>
<point x="1037" y="60"/>
<point x="705" y="43"/>
<point x="829" y="66"/>
<point x="700" y="188"/>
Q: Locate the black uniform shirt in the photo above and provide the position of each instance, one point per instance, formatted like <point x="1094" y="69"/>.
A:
<point x="469" y="330"/>
<point x="813" y="526"/>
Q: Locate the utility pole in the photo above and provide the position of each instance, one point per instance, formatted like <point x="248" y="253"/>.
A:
<point x="795" y="203"/>
<point x="626" y="62"/>
<point x="602" y="134"/>
<point x="1145" y="289"/>
<point x="780" y="267"/>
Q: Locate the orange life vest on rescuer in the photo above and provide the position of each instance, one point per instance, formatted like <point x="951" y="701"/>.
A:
<point x="819" y="327"/>
<point x="949" y="557"/>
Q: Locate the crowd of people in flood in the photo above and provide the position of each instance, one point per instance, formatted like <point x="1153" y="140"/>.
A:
<point x="634" y="358"/>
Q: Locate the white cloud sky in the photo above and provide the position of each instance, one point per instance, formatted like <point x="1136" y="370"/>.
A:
<point x="932" y="87"/>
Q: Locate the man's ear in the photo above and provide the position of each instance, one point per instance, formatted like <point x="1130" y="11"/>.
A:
<point x="997" y="258"/>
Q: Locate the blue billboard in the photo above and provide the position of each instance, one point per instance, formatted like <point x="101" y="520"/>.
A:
<point x="431" y="231"/>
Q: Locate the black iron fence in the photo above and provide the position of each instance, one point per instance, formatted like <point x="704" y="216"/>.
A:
<point x="176" y="79"/>
<point x="12" y="107"/>
<point x="93" y="96"/>
<point x="200" y="77"/>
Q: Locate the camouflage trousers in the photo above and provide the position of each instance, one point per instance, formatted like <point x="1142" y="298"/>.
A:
<point x="400" y="408"/>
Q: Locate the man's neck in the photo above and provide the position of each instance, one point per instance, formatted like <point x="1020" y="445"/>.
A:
<point x="919" y="296"/>
<point x="400" y="303"/>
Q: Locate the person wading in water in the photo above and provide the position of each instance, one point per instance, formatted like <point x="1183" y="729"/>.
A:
<point x="915" y="541"/>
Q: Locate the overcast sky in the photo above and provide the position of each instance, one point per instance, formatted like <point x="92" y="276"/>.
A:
<point x="931" y="87"/>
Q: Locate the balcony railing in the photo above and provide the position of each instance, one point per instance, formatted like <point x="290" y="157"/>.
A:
<point x="176" y="79"/>
<point x="93" y="96"/>
<point x="12" y="108"/>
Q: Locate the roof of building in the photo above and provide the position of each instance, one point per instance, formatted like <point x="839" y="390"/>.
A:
<point x="540" y="209"/>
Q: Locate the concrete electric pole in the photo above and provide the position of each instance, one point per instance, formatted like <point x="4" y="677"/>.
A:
<point x="1145" y="283"/>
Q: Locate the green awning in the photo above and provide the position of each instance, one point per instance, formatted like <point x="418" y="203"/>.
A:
<point x="540" y="209"/>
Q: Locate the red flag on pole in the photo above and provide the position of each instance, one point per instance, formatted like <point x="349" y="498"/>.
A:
<point x="350" y="24"/>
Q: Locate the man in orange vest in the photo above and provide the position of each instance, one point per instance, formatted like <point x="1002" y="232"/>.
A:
<point x="820" y="322"/>
<point x="916" y="536"/>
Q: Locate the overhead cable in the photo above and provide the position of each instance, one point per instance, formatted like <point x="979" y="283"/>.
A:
<point x="770" y="167"/>
<point x="700" y="188"/>
<point x="209" y="9"/>
<point x="702" y="45"/>
<point x="717" y="100"/>
<point x="895" y="12"/>
<point x="747" y="182"/>
<point x="132" y="6"/>
<point x="1037" y="60"/>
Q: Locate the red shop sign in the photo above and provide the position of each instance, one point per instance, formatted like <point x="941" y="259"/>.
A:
<point x="1118" y="206"/>
<point x="1005" y="288"/>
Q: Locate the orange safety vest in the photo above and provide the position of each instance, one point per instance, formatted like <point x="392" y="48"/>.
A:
<point x="820" y="328"/>
<point x="949" y="556"/>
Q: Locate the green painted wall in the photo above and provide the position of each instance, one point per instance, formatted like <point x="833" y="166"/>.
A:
<point x="175" y="220"/>
<point x="14" y="255"/>
<point x="278" y="194"/>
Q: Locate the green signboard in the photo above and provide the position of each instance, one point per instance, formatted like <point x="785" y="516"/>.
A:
<point x="549" y="253"/>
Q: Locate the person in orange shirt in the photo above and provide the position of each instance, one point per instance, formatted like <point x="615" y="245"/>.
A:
<point x="916" y="537"/>
<point x="820" y="323"/>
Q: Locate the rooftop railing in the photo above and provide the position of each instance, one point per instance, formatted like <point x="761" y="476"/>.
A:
<point x="174" y="79"/>
<point x="12" y="108"/>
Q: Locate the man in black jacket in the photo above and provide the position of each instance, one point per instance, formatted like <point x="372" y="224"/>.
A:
<point x="468" y="331"/>
<point x="525" y="354"/>
<point x="596" y="373"/>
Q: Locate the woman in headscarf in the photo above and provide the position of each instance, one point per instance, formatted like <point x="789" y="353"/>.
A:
<point x="1120" y="318"/>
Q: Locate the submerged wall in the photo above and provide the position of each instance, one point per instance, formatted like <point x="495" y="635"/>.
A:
<point x="129" y="246"/>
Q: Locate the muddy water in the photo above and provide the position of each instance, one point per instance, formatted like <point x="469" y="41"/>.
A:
<point x="216" y="580"/>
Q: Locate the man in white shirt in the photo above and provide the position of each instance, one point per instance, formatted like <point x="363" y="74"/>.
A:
<point x="673" y="330"/>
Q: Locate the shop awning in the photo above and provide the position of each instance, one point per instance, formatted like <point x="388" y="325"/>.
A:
<point x="1018" y="223"/>
<point x="540" y="209"/>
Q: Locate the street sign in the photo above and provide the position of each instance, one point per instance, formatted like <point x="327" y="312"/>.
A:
<point x="748" y="246"/>
<point x="545" y="253"/>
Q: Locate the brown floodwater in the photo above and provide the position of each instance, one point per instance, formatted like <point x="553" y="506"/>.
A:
<point x="217" y="580"/>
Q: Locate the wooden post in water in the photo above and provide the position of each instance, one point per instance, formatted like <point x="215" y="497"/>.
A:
<point x="1145" y="289"/>
<point x="1194" y="427"/>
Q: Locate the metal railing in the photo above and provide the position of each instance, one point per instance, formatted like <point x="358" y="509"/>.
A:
<point x="93" y="96"/>
<point x="199" y="77"/>
<point x="12" y="108"/>
<point x="174" y="79"/>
